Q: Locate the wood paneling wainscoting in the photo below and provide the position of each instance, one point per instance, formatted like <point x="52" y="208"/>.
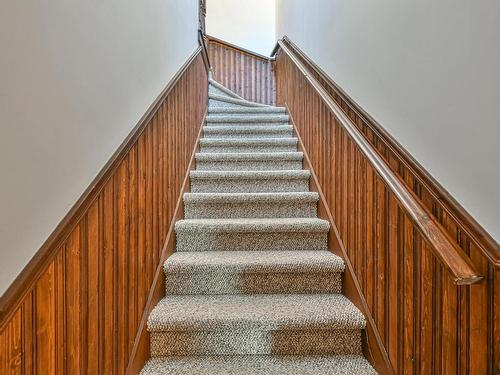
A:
<point x="246" y="73"/>
<point x="420" y="320"/>
<point x="77" y="306"/>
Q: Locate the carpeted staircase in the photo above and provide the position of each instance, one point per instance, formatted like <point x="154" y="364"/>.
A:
<point x="252" y="287"/>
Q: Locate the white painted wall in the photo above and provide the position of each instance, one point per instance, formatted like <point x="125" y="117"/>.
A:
<point x="75" y="77"/>
<point x="247" y="23"/>
<point x="428" y="71"/>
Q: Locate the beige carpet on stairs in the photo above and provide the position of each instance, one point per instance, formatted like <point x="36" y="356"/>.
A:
<point x="252" y="287"/>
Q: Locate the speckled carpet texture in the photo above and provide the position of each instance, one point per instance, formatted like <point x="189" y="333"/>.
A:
<point x="252" y="287"/>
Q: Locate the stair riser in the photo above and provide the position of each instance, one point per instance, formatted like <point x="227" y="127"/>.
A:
<point x="256" y="148"/>
<point x="272" y="165"/>
<point x="208" y="282"/>
<point x="249" y="186"/>
<point x="248" y="134"/>
<point x="254" y="241"/>
<point x="254" y="209"/>
<point x="254" y="342"/>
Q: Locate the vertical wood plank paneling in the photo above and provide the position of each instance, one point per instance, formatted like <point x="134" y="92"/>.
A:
<point x="11" y="351"/>
<point x="45" y="321"/>
<point x="495" y="317"/>
<point x="133" y="277"/>
<point x="60" y="308"/>
<point x="161" y="163"/>
<point x="370" y="239"/>
<point x="74" y="321"/>
<point x="248" y="75"/>
<point x="426" y="312"/>
<point x="409" y="298"/>
<point x="427" y="324"/>
<point x="148" y="215"/>
<point x="81" y="315"/>
<point x="94" y="278"/>
<point x="393" y="270"/>
<point x="108" y="318"/>
<point x="480" y="317"/>
<point x="122" y="281"/>
<point x="142" y="284"/>
<point x="28" y="332"/>
<point x="448" y="353"/>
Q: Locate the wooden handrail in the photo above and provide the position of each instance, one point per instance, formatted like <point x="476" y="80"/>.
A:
<point x="204" y="48"/>
<point x="449" y="254"/>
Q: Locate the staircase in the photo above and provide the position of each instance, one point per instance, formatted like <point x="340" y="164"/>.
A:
<point x="252" y="287"/>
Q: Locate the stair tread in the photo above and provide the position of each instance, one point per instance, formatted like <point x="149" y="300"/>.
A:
<point x="312" y="225"/>
<point x="246" y="110"/>
<point x="280" y="174"/>
<point x="260" y="365"/>
<point x="268" y="312"/>
<point x="216" y="156"/>
<point x="248" y="261"/>
<point x="279" y="118"/>
<point x="250" y="197"/>
<point x="244" y="131"/>
<point x="247" y="128"/>
<point x="248" y="141"/>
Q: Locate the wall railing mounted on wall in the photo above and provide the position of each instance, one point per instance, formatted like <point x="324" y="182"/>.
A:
<point x="450" y="256"/>
<point x="206" y="58"/>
